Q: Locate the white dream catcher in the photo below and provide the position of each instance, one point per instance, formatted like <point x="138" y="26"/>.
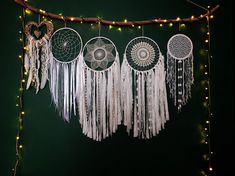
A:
<point x="98" y="95"/>
<point x="37" y="53"/>
<point x="144" y="97"/>
<point x="180" y="68"/>
<point x="66" y="46"/>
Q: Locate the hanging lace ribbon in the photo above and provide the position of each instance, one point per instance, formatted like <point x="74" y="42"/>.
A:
<point x="180" y="68"/>
<point x="66" y="45"/>
<point x="98" y="91"/>
<point x="144" y="97"/>
<point x="37" y="54"/>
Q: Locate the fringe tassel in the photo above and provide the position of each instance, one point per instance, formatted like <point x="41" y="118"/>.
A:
<point x="145" y="110"/>
<point x="63" y="86"/>
<point x="180" y="79"/>
<point x="98" y="99"/>
<point x="36" y="52"/>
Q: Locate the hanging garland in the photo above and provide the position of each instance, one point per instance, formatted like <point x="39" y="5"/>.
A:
<point x="42" y="12"/>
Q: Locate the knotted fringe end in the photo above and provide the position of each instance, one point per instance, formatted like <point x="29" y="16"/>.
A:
<point x="180" y="79"/>
<point x="98" y="99"/>
<point x="144" y="99"/>
<point x="63" y="86"/>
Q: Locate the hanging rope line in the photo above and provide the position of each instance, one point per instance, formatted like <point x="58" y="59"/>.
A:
<point x="42" y="12"/>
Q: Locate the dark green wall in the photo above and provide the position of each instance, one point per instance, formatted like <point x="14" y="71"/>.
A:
<point x="53" y="147"/>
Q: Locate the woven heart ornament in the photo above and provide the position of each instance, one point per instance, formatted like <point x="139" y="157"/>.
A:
<point x="37" y="53"/>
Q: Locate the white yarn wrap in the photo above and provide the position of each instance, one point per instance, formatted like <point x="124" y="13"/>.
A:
<point x="98" y="99"/>
<point x="36" y="59"/>
<point x="144" y="99"/>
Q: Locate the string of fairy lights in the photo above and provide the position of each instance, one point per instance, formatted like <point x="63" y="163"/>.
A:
<point x="206" y="125"/>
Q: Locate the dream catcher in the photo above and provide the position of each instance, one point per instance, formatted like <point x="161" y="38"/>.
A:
<point x="98" y="95"/>
<point x="144" y="97"/>
<point x="180" y="68"/>
<point x="37" y="52"/>
<point x="66" y="46"/>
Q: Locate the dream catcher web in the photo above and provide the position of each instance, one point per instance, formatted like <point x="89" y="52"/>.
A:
<point x="144" y="97"/>
<point x="180" y="68"/>
<point x="66" y="46"/>
<point x="98" y="95"/>
<point x="37" y="53"/>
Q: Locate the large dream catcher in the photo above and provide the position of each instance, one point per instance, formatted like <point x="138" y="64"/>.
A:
<point x="66" y="46"/>
<point x="98" y="95"/>
<point x="37" y="53"/>
<point x="180" y="68"/>
<point x="144" y="97"/>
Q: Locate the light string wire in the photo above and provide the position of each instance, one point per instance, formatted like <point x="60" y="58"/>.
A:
<point x="26" y="6"/>
<point x="20" y="104"/>
<point x="210" y="114"/>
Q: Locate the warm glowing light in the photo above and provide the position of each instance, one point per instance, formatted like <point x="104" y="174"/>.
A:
<point x="119" y="29"/>
<point x="165" y="20"/>
<point x="17" y="137"/>
<point x="27" y="11"/>
<point x="206" y="98"/>
<point x="17" y="105"/>
<point x="205" y="129"/>
<point x="206" y="73"/>
<point x="113" y="22"/>
<point x="206" y="40"/>
<point x="110" y="26"/>
<point x="161" y="25"/>
<point x="23" y="80"/>
<point x="125" y="21"/>
<point x="72" y="19"/>
<point x="207" y="122"/>
<point x="20" y="146"/>
<point x="20" y="56"/>
<point x="21" y="39"/>
<point x="133" y="25"/>
<point x="139" y="27"/>
<point x="206" y="88"/>
<point x="210" y="169"/>
<point x="201" y="16"/>
<point x="178" y="18"/>
<point x="42" y="11"/>
<point x="20" y="17"/>
<point x="170" y="24"/>
<point x="192" y="17"/>
<point x="212" y="16"/>
<point x="25" y="73"/>
<point x="22" y="112"/>
<point x="182" y="26"/>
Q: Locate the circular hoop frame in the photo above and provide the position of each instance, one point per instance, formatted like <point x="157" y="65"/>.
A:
<point x="79" y="39"/>
<point x="94" y="38"/>
<point x="159" y="54"/>
<point x="182" y="35"/>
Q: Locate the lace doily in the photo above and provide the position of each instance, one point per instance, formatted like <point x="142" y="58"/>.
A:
<point x="180" y="46"/>
<point x="142" y="53"/>
<point x="99" y="53"/>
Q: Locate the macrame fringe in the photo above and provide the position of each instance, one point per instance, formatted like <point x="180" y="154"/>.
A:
<point x="63" y="86"/>
<point x="180" y="79"/>
<point x="37" y="57"/>
<point x="145" y="108"/>
<point x="98" y="99"/>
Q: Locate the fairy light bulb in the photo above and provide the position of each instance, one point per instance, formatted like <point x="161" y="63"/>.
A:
<point x="28" y="12"/>
<point x="119" y="29"/>
<point x="20" y="146"/>
<point x="110" y="26"/>
<point x="170" y="24"/>
<point x="210" y="169"/>
<point x="178" y="19"/>
<point x="161" y="25"/>
<point x="17" y="137"/>
<point x="125" y="21"/>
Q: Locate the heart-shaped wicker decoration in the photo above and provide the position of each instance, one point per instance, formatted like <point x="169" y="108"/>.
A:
<point x="38" y="31"/>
